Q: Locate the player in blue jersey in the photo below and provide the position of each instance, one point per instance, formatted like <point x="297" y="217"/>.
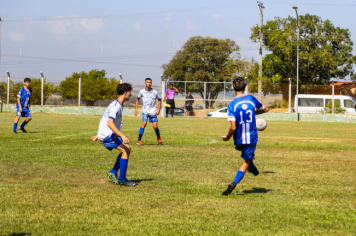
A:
<point x="111" y="137"/>
<point x="241" y="114"/>
<point x="150" y="112"/>
<point x="23" y="106"/>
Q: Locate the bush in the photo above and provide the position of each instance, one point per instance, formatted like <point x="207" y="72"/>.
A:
<point x="337" y="108"/>
<point x="279" y="104"/>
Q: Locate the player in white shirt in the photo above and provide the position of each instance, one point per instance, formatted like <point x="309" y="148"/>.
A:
<point x="150" y="112"/>
<point x="111" y="137"/>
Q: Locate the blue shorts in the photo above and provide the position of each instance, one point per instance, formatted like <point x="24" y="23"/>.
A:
<point x="112" y="142"/>
<point x="148" y="117"/>
<point x="24" y="113"/>
<point x="247" y="151"/>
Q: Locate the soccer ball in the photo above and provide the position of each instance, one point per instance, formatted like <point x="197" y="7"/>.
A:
<point x="261" y="124"/>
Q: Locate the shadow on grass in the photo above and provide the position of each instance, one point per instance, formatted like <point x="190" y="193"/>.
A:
<point x="140" y="180"/>
<point x="17" y="234"/>
<point x="257" y="190"/>
<point x="268" y="172"/>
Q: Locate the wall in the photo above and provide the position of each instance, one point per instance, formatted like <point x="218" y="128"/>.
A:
<point x="130" y="112"/>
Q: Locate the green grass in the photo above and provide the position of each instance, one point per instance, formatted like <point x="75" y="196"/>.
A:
<point x="53" y="180"/>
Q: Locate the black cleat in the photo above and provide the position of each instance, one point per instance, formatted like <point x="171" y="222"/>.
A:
<point x="14" y="132"/>
<point x="229" y="189"/>
<point x="23" y="130"/>
<point x="255" y="172"/>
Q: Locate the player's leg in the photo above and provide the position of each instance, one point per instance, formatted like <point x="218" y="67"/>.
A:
<point x="124" y="161"/>
<point x="252" y="168"/>
<point x="167" y="108"/>
<point x="173" y="106"/>
<point x="18" y="116"/>
<point x="142" y="129"/>
<point x="154" y="121"/>
<point x="26" y="114"/>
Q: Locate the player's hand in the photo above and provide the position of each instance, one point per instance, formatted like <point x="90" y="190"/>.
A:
<point x="20" y="110"/>
<point x="136" y="112"/>
<point x="94" y="138"/>
<point x="164" y="100"/>
<point x="125" y="140"/>
<point x="157" y="113"/>
<point x="225" y="138"/>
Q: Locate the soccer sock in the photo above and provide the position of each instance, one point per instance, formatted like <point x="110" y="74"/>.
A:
<point x="123" y="168"/>
<point x="239" y="176"/>
<point x="15" y="127"/>
<point x="140" y="133"/>
<point x="157" y="133"/>
<point x="23" y="124"/>
<point x="116" y="167"/>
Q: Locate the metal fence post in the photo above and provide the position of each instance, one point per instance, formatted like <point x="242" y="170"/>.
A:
<point x="8" y="87"/>
<point x="120" y="78"/>
<point x="80" y="89"/>
<point x="163" y="84"/>
<point x="290" y="95"/>
<point x="204" y="98"/>
<point x="333" y="95"/>
<point x="41" y="88"/>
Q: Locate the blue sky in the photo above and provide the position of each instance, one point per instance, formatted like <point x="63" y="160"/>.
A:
<point x="133" y="37"/>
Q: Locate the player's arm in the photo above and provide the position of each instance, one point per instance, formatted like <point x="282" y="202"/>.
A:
<point x="136" y="106"/>
<point x="159" y="107"/>
<point x="231" y="131"/>
<point x="165" y="96"/>
<point x="94" y="138"/>
<point x="113" y="127"/>
<point x="19" y="103"/>
<point x="261" y="110"/>
<point x="176" y="89"/>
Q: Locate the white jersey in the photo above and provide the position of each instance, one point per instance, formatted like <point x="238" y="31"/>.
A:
<point x="113" y="111"/>
<point x="149" y="101"/>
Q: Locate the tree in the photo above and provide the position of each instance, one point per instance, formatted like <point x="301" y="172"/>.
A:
<point x="205" y="60"/>
<point x="325" y="51"/>
<point x="95" y="87"/>
<point x="48" y="90"/>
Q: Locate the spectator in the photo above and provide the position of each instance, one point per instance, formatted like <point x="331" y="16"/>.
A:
<point x="170" y="93"/>
<point x="189" y="103"/>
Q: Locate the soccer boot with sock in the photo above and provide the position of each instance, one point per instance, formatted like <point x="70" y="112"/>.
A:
<point x="14" y="132"/>
<point x="128" y="183"/>
<point x="160" y="141"/>
<point x="23" y="130"/>
<point x="255" y="172"/>
<point x="229" y="189"/>
<point x="113" y="177"/>
<point x="140" y="143"/>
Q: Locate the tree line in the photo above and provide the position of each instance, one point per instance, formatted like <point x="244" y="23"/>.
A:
<point x="95" y="87"/>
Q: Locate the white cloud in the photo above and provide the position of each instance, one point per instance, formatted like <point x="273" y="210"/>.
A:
<point x="218" y="19"/>
<point x="67" y="26"/>
<point x="191" y="25"/>
<point x="137" y="27"/>
<point x="91" y="25"/>
<point x="17" y="36"/>
<point x="166" y="22"/>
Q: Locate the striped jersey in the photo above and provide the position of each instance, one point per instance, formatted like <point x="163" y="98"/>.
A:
<point x="149" y="101"/>
<point x="114" y="111"/>
<point x="242" y="110"/>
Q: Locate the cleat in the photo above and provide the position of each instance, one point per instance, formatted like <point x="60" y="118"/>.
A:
<point x="255" y="172"/>
<point x="229" y="189"/>
<point x="140" y="143"/>
<point x="23" y="130"/>
<point x="128" y="183"/>
<point x="113" y="177"/>
<point x="160" y="142"/>
<point x="14" y="132"/>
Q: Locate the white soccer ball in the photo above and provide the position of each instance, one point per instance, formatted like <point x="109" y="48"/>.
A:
<point x="261" y="124"/>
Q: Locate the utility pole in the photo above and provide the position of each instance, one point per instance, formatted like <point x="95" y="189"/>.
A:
<point x="260" y="4"/>
<point x="296" y="109"/>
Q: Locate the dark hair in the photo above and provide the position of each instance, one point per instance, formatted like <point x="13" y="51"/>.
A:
<point x="148" y="79"/>
<point x="122" y="88"/>
<point x="239" y="83"/>
<point x="27" y="80"/>
<point x="170" y="84"/>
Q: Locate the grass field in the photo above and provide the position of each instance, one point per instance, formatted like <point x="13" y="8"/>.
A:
<point x="53" y="180"/>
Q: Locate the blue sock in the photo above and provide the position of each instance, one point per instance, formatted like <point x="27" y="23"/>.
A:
<point x="141" y="131"/>
<point x="23" y="124"/>
<point x="116" y="167"/>
<point x="157" y="133"/>
<point x="239" y="176"/>
<point x="123" y="168"/>
<point x="15" y="127"/>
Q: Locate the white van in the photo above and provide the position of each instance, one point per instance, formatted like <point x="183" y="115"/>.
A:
<point x="309" y="103"/>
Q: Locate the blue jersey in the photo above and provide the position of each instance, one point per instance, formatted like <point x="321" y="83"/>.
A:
<point x="242" y="110"/>
<point x="24" y="96"/>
